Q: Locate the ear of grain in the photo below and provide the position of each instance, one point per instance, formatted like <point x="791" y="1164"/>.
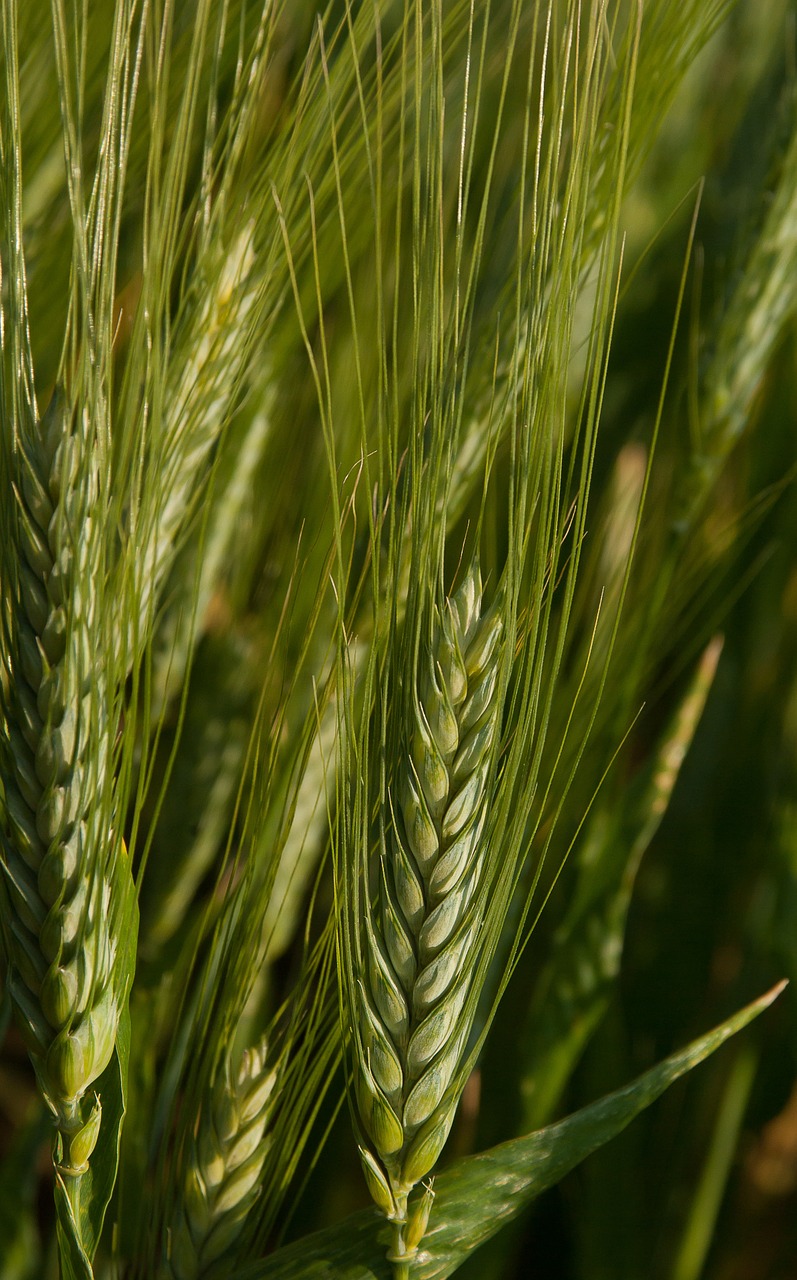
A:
<point x="211" y="350"/>
<point x="414" y="1007"/>
<point x="222" y="1169"/>
<point x="66" y="885"/>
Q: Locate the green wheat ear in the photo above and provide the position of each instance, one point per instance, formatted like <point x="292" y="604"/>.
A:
<point x="66" y="880"/>
<point x="414" y="998"/>
<point x="223" y="1167"/>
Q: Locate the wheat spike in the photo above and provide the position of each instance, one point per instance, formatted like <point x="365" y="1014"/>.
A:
<point x="224" y="1163"/>
<point x="198" y="401"/>
<point x="61" y="864"/>
<point x="414" y="1012"/>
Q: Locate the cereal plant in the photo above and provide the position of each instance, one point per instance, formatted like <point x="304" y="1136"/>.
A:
<point x="397" y="634"/>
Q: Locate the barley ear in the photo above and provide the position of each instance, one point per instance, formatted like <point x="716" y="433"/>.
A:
<point x="222" y="1170"/>
<point x="419" y="934"/>
<point x="66" y="895"/>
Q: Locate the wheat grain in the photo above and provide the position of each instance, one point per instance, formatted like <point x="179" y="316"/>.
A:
<point x="223" y="1167"/>
<point x="57" y="854"/>
<point x="414" y="1012"/>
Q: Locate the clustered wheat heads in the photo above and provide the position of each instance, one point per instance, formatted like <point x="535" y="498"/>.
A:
<point x="443" y="190"/>
<point x="413" y="1002"/>
<point x="66" y="886"/>
<point x="223" y="1166"/>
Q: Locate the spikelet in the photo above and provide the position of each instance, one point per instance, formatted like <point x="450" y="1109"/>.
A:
<point x="223" y="1167"/>
<point x="414" y="1013"/>
<point x="65" y="883"/>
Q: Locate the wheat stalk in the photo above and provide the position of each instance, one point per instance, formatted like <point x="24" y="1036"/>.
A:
<point x="58" y="853"/>
<point x="413" y="1009"/>
<point x="223" y="1167"/>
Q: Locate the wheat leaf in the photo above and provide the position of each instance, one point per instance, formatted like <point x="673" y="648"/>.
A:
<point x="73" y="1259"/>
<point x="478" y="1195"/>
